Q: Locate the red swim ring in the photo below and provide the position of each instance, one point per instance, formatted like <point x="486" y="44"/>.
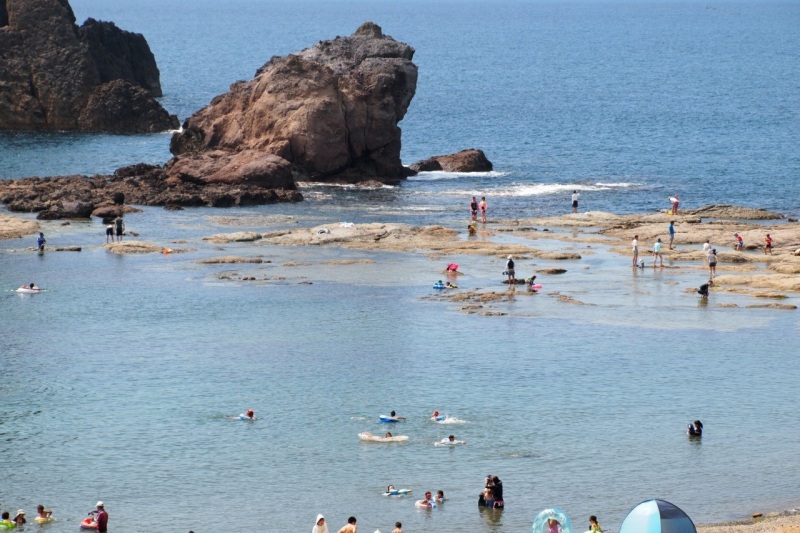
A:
<point x="88" y="523"/>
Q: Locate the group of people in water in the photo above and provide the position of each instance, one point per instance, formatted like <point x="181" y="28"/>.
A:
<point x="321" y="526"/>
<point x="42" y="516"/>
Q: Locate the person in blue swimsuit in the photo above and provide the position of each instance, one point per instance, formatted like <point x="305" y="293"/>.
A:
<point x="671" y="233"/>
<point x="40" y="242"/>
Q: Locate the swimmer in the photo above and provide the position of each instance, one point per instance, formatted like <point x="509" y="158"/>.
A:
<point x="43" y="513"/>
<point x="450" y="285"/>
<point x="553" y="525"/>
<point x="6" y="521"/>
<point x="452" y="440"/>
<point x="594" y="527"/>
<point x="31" y="286"/>
<point x="695" y="430"/>
<point x="428" y="501"/>
<point x="436" y="416"/>
<point x="250" y="414"/>
<point x="388" y="435"/>
<point x="398" y="528"/>
<point x="471" y="229"/>
<point x="440" y="496"/>
<point x="394" y="416"/>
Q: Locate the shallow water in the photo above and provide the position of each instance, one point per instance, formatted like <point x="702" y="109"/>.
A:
<point x="121" y="378"/>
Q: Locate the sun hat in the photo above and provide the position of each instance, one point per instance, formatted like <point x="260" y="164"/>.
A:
<point x="509" y="257"/>
<point x="20" y="511"/>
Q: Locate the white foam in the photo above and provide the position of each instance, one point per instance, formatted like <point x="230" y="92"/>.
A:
<point x="317" y="184"/>
<point x="453" y="420"/>
<point x="442" y="175"/>
<point x="538" y="189"/>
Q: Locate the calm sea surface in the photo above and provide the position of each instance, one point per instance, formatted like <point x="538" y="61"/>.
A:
<point x="119" y="383"/>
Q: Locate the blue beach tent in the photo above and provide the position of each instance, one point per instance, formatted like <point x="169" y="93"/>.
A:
<point x="540" y="522"/>
<point x="657" y="516"/>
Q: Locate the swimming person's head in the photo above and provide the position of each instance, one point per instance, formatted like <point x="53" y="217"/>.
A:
<point x="392" y="413"/>
<point x="452" y="438"/>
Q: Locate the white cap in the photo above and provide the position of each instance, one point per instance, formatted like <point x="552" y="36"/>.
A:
<point x="509" y="257"/>
<point x="20" y="511"/>
<point x="99" y="504"/>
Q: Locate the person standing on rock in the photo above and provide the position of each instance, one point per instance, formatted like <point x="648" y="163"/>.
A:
<point x="40" y="242"/>
<point x="767" y="245"/>
<point x="110" y="232"/>
<point x="575" y="196"/>
<point x="671" y="233"/>
<point x="483" y="207"/>
<point x="473" y="209"/>
<point x="635" y="249"/>
<point x="119" y="224"/>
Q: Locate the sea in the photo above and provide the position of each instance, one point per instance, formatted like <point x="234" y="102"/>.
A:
<point x="124" y="379"/>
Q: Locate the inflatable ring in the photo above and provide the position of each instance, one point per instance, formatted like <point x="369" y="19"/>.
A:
<point x="88" y="523"/>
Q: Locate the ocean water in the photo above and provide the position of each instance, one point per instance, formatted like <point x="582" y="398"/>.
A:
<point x="121" y="381"/>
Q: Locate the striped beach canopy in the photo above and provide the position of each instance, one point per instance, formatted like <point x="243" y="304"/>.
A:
<point x="540" y="522"/>
<point x="657" y="516"/>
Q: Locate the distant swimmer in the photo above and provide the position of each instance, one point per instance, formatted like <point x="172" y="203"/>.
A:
<point x="31" y="287"/>
<point x="594" y="526"/>
<point x="19" y="519"/>
<point x="440" y="496"/>
<point x="473" y="209"/>
<point x="437" y="417"/>
<point x="554" y="526"/>
<point x="471" y="229"/>
<point x="394" y="416"/>
<point x="6" y="521"/>
<point x="450" y="441"/>
<point x="695" y="429"/>
<point x="249" y="415"/>
<point x="398" y="528"/>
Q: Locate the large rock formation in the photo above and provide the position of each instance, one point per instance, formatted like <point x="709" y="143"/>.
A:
<point x="470" y="160"/>
<point x="56" y="76"/>
<point x="330" y="111"/>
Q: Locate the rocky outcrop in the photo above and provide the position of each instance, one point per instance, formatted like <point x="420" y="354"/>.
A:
<point x="470" y="160"/>
<point x="82" y="196"/>
<point x="56" y="76"/>
<point x="121" y="55"/>
<point x="330" y="111"/>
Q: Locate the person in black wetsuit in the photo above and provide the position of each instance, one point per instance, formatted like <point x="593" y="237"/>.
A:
<point x="703" y="290"/>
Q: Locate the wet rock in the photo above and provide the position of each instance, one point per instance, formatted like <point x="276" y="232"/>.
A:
<point x="471" y="160"/>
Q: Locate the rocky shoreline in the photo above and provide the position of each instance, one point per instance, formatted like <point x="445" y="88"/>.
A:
<point x="771" y="281"/>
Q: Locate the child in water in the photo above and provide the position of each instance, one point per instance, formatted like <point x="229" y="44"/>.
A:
<point x="594" y="527"/>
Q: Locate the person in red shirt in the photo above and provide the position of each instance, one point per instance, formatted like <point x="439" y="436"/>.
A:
<point x="768" y="245"/>
<point x="101" y="518"/>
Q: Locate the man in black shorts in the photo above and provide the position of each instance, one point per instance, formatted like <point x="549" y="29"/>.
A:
<point x="473" y="207"/>
<point x="119" y="224"/>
